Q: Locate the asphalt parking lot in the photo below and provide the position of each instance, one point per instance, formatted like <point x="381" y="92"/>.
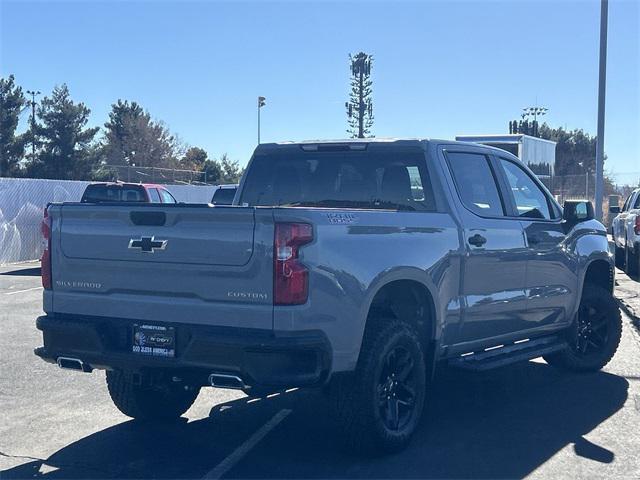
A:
<point x="527" y="420"/>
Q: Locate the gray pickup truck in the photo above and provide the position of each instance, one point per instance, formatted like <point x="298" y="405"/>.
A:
<point x="357" y="266"/>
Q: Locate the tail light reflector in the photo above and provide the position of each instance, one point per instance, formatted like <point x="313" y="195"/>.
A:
<point x="290" y="276"/>
<point x="45" y="260"/>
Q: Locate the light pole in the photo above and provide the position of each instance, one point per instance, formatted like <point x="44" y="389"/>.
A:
<point x="33" y="94"/>
<point x="535" y="111"/>
<point x="261" y="103"/>
<point x="602" y="83"/>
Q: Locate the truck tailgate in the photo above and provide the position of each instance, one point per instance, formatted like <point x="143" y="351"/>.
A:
<point x="222" y="236"/>
<point x="185" y="264"/>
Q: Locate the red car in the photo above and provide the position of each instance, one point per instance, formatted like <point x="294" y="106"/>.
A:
<point x="127" y="192"/>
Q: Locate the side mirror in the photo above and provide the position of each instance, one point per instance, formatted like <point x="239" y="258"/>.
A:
<point x="576" y="211"/>
<point x="614" y="209"/>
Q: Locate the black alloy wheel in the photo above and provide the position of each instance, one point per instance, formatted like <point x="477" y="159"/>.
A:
<point x="594" y="336"/>
<point x="379" y="406"/>
<point x="591" y="330"/>
<point x="397" y="387"/>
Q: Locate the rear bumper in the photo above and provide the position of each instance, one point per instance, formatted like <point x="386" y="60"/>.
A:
<point x="262" y="358"/>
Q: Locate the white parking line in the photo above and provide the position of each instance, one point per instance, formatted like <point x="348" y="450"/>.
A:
<point x="22" y="291"/>
<point x="237" y="455"/>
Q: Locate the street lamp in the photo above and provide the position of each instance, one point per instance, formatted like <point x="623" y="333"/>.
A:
<point x="262" y="101"/>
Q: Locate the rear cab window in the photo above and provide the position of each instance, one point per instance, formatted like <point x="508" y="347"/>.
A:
<point x="114" y="193"/>
<point x="223" y="196"/>
<point x="387" y="180"/>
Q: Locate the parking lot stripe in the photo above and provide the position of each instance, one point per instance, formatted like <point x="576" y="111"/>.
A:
<point x="237" y="455"/>
<point x="22" y="291"/>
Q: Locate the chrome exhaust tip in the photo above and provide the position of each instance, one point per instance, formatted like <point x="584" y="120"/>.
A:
<point x="223" y="380"/>
<point x="69" y="363"/>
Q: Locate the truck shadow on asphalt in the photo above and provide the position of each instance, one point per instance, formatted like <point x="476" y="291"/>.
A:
<point x="500" y="424"/>
<point x="23" y="272"/>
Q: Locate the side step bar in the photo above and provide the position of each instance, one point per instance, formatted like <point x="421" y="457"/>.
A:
<point x="507" y="354"/>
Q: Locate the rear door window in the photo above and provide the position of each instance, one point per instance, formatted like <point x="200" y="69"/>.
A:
<point x="475" y="183"/>
<point x="379" y="180"/>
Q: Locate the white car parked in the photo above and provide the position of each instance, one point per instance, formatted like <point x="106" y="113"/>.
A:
<point x="625" y="230"/>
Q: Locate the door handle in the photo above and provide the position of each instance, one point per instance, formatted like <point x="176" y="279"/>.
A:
<point x="477" y="240"/>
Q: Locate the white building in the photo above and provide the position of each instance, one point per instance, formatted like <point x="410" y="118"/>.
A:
<point x="537" y="153"/>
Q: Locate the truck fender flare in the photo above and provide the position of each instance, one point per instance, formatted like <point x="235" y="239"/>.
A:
<point x="594" y="257"/>
<point x="401" y="274"/>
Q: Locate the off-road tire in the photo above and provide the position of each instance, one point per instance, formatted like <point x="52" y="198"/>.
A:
<point x="602" y="301"/>
<point x="161" y="401"/>
<point x="631" y="262"/>
<point x="355" y="398"/>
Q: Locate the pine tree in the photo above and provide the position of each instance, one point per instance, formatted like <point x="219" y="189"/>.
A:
<point x="360" y="105"/>
<point x="212" y="170"/>
<point x="119" y="133"/>
<point x="66" y="145"/>
<point x="231" y="171"/>
<point x="12" y="102"/>
<point x="132" y="138"/>
<point x="194" y="159"/>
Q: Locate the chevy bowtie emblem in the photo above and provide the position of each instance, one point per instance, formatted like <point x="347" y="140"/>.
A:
<point x="147" y="244"/>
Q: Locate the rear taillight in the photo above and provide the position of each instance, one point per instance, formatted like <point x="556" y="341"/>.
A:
<point x="290" y="276"/>
<point x="636" y="227"/>
<point x="45" y="260"/>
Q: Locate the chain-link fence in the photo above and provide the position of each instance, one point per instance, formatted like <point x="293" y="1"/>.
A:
<point x="126" y="173"/>
<point x="22" y="202"/>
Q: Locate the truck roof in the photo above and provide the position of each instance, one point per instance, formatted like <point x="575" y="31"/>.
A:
<point x="128" y="184"/>
<point x="405" y="142"/>
<point x="352" y="140"/>
<point x="502" y="138"/>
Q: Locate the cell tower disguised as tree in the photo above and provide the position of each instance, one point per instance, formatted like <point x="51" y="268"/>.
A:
<point x="360" y="106"/>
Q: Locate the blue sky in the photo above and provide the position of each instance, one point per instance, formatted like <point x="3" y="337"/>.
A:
<point x="441" y="68"/>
